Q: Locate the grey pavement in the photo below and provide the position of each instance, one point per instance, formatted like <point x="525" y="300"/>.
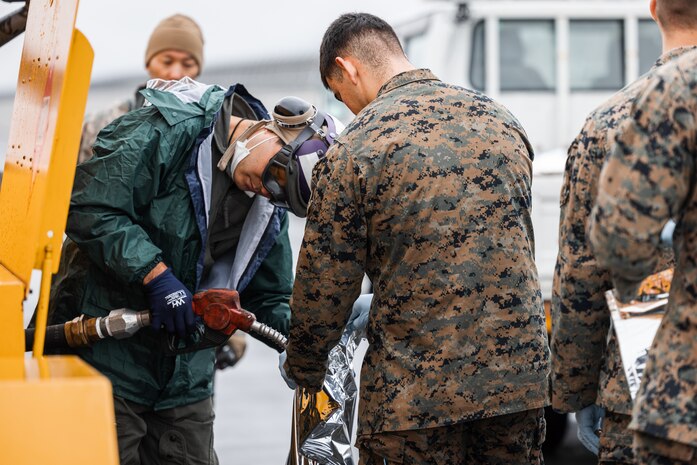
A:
<point x="253" y="410"/>
<point x="253" y="415"/>
<point x="253" y="406"/>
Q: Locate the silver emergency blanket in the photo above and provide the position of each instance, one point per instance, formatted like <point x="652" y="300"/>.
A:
<point x="323" y="422"/>
<point x="636" y="322"/>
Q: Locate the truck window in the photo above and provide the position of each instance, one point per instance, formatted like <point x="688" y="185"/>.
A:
<point x="650" y="45"/>
<point x="416" y="51"/>
<point x="527" y="58"/>
<point x="477" y="63"/>
<point x="596" y="50"/>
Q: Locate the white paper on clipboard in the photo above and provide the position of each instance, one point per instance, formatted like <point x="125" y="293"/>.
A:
<point x="636" y="323"/>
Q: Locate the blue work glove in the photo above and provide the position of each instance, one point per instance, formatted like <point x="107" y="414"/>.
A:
<point x="589" y="421"/>
<point x="359" y="315"/>
<point x="170" y="304"/>
<point x="281" y="361"/>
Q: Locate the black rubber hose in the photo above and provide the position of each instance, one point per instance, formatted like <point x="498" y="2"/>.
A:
<point x="55" y="338"/>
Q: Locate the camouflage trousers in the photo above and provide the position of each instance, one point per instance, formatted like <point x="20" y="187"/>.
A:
<point x="175" y="436"/>
<point x="616" y="440"/>
<point x="514" y="439"/>
<point x="650" y="450"/>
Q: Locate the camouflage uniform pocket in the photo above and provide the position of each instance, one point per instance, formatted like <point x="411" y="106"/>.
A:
<point x="381" y="449"/>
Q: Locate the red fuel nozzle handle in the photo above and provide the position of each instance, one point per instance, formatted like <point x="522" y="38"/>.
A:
<point x="221" y="312"/>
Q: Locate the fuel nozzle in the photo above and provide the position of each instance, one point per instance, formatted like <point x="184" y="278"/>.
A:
<point x="219" y="309"/>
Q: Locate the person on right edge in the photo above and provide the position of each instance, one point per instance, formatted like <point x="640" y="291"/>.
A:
<point x="428" y="192"/>
<point x="649" y="180"/>
<point x="587" y="374"/>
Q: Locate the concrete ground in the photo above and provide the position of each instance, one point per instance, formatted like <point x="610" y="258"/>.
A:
<point x="253" y="415"/>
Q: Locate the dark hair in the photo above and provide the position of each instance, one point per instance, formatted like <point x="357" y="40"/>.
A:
<point x="361" y="35"/>
<point x="677" y="14"/>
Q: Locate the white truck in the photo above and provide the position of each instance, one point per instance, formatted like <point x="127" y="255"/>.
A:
<point x="550" y="62"/>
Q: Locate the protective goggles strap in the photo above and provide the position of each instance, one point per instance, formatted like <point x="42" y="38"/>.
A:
<point x="230" y="151"/>
<point x="262" y="142"/>
<point x="307" y="133"/>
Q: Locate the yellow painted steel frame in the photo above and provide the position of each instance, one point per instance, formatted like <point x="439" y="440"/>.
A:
<point x="55" y="410"/>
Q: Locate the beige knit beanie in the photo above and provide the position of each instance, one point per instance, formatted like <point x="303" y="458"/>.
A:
<point x="177" y="32"/>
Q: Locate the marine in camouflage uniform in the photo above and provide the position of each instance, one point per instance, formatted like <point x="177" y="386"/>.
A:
<point x="649" y="179"/>
<point x="174" y="50"/>
<point x="95" y="123"/>
<point x="428" y="192"/>
<point x="586" y="364"/>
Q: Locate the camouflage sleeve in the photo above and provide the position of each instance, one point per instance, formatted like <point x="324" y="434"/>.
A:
<point x="95" y="123"/>
<point x="644" y="182"/>
<point x="580" y="320"/>
<point x="330" y="267"/>
<point x="89" y="136"/>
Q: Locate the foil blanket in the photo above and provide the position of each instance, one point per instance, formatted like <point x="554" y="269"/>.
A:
<point x="323" y="422"/>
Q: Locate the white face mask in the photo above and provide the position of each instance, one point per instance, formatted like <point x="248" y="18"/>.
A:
<point x="242" y="152"/>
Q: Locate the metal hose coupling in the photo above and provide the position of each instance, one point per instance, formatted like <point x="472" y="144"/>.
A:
<point x="119" y="324"/>
<point x="269" y="335"/>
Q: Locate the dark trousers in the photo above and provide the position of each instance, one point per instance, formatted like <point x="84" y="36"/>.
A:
<point x="514" y="439"/>
<point x="177" y="436"/>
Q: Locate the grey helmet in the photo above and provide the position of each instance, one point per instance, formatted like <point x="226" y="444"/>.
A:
<point x="307" y="134"/>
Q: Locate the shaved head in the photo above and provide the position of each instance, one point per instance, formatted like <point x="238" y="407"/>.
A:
<point x="677" y="14"/>
<point x="366" y="37"/>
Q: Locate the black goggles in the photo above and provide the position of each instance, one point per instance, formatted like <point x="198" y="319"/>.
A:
<point x="275" y="177"/>
<point x="279" y="170"/>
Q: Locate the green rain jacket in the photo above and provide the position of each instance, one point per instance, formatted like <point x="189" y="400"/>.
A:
<point x="151" y="194"/>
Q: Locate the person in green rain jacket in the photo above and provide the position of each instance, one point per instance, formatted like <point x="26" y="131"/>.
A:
<point x="151" y="200"/>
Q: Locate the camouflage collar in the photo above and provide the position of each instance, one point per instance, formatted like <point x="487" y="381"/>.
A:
<point x="672" y="54"/>
<point x="405" y="78"/>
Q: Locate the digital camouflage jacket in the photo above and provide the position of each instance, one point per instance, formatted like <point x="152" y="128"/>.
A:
<point x="98" y="121"/>
<point x="648" y="179"/>
<point x="428" y="192"/>
<point x="586" y="365"/>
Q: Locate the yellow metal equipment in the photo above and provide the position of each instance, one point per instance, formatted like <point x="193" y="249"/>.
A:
<point x="55" y="410"/>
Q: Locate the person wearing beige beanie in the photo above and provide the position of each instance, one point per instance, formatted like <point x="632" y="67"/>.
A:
<point x="174" y="51"/>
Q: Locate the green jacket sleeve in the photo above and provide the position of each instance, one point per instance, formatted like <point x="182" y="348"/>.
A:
<point x="268" y="293"/>
<point x="108" y="193"/>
